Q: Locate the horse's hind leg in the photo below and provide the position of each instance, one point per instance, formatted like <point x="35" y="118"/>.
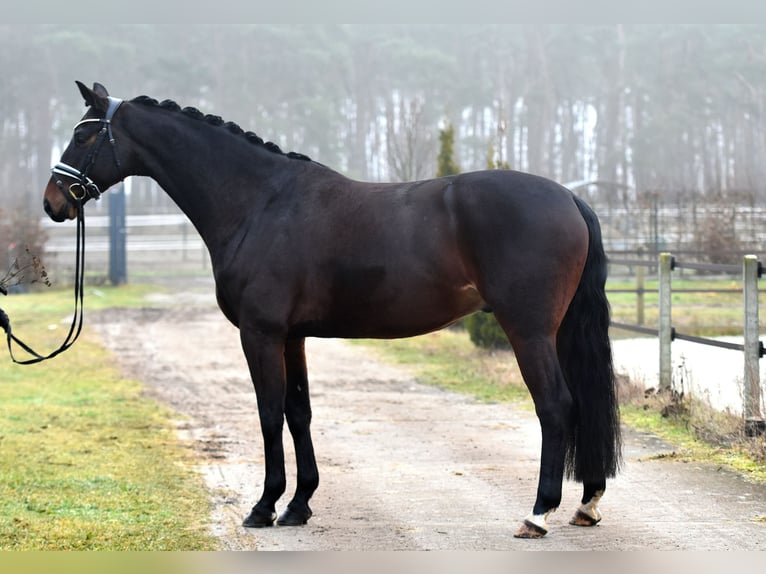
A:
<point x="553" y="404"/>
<point x="298" y="413"/>
<point x="588" y="514"/>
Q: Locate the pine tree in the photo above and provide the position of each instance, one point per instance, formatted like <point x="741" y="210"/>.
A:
<point x="446" y="162"/>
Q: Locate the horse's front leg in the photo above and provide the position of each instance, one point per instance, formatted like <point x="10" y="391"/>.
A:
<point x="298" y="414"/>
<point x="265" y="358"/>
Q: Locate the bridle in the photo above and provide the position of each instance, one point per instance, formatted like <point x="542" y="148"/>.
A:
<point x="76" y="194"/>
<point x="84" y="187"/>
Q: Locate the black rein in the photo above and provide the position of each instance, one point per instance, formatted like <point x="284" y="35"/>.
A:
<point x="76" y="326"/>
<point x="77" y="193"/>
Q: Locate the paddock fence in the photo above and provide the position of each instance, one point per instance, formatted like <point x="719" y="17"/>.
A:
<point x="750" y="270"/>
<point x="156" y="244"/>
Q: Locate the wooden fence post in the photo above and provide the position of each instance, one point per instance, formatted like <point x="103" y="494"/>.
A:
<point x="118" y="255"/>
<point x="640" y="290"/>
<point x="752" y="382"/>
<point x="665" y="324"/>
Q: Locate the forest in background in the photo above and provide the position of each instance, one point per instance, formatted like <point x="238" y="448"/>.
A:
<point x="668" y="111"/>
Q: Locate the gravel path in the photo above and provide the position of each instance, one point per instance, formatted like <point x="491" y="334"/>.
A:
<point x="405" y="466"/>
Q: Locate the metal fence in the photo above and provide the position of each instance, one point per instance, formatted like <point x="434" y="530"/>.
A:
<point x="713" y="229"/>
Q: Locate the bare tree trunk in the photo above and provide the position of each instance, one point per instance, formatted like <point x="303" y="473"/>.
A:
<point x="610" y="133"/>
<point x="537" y="103"/>
<point x="509" y="134"/>
<point x="410" y="145"/>
<point x="362" y="100"/>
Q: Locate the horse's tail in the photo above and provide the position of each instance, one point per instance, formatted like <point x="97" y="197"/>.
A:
<point x="585" y="354"/>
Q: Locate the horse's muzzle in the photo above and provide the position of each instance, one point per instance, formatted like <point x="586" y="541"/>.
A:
<point x="56" y="205"/>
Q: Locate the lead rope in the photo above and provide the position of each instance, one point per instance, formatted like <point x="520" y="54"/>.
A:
<point x="89" y="189"/>
<point x="77" y="318"/>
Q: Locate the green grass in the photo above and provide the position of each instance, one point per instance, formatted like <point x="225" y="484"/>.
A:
<point x="678" y="431"/>
<point x="701" y="314"/>
<point x="87" y="462"/>
<point x="62" y="300"/>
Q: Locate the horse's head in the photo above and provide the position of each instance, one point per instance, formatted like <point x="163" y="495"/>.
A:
<point x="90" y="164"/>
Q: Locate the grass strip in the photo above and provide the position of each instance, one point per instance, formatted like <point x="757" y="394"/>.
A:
<point x="743" y="455"/>
<point x="86" y="461"/>
<point x="702" y="313"/>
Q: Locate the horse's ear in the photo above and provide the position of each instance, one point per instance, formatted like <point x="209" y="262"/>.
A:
<point x="97" y="97"/>
<point x="100" y="90"/>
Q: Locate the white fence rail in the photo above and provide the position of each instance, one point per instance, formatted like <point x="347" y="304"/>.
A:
<point x="154" y="242"/>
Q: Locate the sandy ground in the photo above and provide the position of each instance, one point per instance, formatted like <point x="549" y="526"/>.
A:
<point x="404" y="466"/>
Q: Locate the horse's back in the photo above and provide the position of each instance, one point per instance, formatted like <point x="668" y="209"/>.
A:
<point x="513" y="200"/>
<point x="512" y="214"/>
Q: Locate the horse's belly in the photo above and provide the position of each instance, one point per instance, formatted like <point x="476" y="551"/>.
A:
<point x="404" y="316"/>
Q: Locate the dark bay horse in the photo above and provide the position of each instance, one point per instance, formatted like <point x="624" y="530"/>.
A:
<point x="298" y="250"/>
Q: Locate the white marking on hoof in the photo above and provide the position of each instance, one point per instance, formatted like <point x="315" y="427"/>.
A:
<point x="534" y="525"/>
<point x="588" y="514"/>
<point x="540" y="520"/>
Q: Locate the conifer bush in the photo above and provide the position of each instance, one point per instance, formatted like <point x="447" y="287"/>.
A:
<point x="485" y="332"/>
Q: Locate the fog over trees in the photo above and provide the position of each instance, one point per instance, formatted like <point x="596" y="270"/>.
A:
<point x="671" y="109"/>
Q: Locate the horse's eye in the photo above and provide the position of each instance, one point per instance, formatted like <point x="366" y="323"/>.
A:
<point x="79" y="137"/>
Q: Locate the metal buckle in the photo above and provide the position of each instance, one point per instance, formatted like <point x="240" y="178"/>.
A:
<point x="73" y="193"/>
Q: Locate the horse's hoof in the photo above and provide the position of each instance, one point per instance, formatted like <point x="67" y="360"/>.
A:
<point x="530" y="530"/>
<point x="582" y="519"/>
<point x="259" y="519"/>
<point x="291" y="517"/>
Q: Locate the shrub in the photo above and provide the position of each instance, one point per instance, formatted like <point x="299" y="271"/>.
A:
<point x="22" y="241"/>
<point x="485" y="331"/>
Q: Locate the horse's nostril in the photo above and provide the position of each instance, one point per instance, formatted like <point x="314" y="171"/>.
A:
<point x="49" y="210"/>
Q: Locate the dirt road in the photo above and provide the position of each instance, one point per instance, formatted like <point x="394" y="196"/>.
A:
<point x="405" y="466"/>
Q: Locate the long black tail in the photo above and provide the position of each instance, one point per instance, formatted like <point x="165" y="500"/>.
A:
<point x="585" y="355"/>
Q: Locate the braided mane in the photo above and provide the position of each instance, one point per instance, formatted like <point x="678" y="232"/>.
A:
<point x="218" y="121"/>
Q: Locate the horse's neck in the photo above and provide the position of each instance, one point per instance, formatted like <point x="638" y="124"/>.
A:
<point x="204" y="179"/>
